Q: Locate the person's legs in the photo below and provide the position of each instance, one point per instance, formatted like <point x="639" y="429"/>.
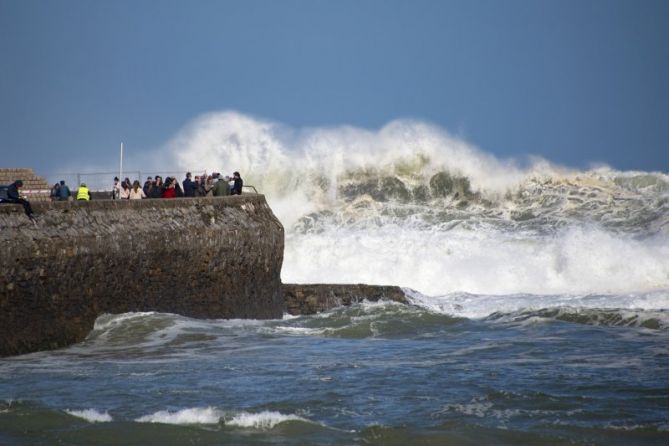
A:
<point x="26" y="206"/>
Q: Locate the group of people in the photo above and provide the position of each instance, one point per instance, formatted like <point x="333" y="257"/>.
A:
<point x="200" y="186"/>
<point x="61" y="192"/>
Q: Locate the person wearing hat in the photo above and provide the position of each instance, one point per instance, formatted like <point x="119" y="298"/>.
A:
<point x="14" y="197"/>
<point x="83" y="193"/>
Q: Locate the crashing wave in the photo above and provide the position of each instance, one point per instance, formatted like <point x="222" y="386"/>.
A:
<point x="410" y="170"/>
<point x="411" y="205"/>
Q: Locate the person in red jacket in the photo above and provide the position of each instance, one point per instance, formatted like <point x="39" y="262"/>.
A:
<point x="170" y="191"/>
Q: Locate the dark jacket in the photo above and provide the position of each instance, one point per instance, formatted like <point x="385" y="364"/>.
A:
<point x="13" y="191"/>
<point x="189" y="187"/>
<point x="237" y="187"/>
<point x="156" y="191"/>
<point x="63" y="192"/>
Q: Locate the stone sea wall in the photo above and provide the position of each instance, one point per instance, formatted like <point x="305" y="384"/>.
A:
<point x="214" y="257"/>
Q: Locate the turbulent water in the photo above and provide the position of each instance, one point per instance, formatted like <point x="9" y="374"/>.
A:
<point x="539" y="315"/>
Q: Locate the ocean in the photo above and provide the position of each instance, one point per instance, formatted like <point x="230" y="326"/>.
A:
<point x="539" y="309"/>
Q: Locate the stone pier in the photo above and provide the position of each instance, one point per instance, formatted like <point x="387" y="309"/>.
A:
<point x="216" y="257"/>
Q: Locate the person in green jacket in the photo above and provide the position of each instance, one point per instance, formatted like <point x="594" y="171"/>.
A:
<point x="221" y="188"/>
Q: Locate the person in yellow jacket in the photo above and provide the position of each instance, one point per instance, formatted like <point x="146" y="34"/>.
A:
<point x="83" y="193"/>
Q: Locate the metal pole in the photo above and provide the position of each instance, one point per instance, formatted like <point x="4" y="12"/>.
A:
<point x="120" y="170"/>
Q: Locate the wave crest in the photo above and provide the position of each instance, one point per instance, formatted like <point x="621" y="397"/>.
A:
<point x="91" y="415"/>
<point x="195" y="415"/>
<point x="261" y="420"/>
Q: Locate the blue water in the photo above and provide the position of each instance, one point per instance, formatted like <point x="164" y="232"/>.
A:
<point x="370" y="374"/>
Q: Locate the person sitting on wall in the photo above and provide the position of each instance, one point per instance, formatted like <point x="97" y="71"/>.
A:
<point x="14" y="198"/>
<point x="83" y="193"/>
<point x="54" y="192"/>
<point x="63" y="191"/>
<point x="238" y="184"/>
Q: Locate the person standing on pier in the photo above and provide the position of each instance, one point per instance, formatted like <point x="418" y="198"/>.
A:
<point x="238" y="184"/>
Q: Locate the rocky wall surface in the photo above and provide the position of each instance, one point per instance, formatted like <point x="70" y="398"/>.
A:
<point x="216" y="257"/>
<point x="304" y="299"/>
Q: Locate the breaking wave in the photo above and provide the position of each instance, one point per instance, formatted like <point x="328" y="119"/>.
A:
<point x="411" y="205"/>
<point x="195" y="415"/>
<point x="210" y="415"/>
<point x="262" y="420"/>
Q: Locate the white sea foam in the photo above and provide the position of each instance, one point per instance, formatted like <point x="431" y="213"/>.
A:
<point x="627" y="306"/>
<point x="212" y="415"/>
<point x="261" y="420"/>
<point x="91" y="415"/>
<point x="576" y="260"/>
<point x="107" y="321"/>
<point x="194" y="415"/>
<point x="298" y="331"/>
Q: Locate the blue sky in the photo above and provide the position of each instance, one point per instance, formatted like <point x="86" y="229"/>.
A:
<point x="575" y="82"/>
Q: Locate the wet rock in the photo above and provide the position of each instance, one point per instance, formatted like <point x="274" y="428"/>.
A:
<point x="305" y="299"/>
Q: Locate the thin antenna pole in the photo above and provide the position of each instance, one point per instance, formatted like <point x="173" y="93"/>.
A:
<point x="120" y="169"/>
